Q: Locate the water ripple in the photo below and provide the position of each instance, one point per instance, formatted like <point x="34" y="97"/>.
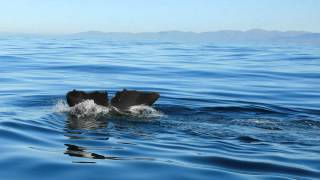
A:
<point x="225" y="111"/>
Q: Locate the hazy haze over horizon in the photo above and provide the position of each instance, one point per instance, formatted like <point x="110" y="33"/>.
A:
<point x="36" y="16"/>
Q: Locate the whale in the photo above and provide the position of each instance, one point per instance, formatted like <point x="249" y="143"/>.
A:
<point x="122" y="100"/>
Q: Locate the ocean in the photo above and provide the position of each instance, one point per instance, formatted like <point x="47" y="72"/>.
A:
<point x="226" y="110"/>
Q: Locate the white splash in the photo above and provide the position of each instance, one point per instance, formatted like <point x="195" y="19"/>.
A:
<point x="61" y="106"/>
<point x="144" y="111"/>
<point x="85" y="108"/>
<point x="89" y="108"/>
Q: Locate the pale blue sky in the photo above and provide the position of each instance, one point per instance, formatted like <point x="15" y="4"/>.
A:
<point x="67" y="16"/>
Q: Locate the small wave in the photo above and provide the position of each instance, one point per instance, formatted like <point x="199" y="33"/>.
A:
<point x="248" y="139"/>
<point x="83" y="109"/>
<point x="306" y="123"/>
<point x="247" y="109"/>
<point x="61" y="106"/>
<point x="12" y="58"/>
<point x="262" y="123"/>
<point x="145" y="111"/>
<point x="89" y="108"/>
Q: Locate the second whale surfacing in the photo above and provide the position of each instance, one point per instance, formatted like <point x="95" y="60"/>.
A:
<point x="122" y="100"/>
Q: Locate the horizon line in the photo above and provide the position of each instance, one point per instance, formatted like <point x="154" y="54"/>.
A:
<point x="161" y="31"/>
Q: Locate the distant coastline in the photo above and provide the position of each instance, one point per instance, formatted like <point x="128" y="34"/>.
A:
<point x="254" y="35"/>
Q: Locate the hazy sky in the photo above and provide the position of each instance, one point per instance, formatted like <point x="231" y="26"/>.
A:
<point x="65" y="16"/>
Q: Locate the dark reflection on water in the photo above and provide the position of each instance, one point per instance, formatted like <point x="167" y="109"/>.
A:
<point x="229" y="111"/>
<point x="73" y="150"/>
<point x="86" y="123"/>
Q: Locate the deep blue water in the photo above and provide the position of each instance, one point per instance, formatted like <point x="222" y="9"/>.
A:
<point x="232" y="111"/>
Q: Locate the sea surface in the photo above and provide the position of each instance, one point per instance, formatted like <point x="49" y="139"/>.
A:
<point x="226" y="111"/>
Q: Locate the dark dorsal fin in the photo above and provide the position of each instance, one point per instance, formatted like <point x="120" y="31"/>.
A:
<point x="127" y="98"/>
<point x="74" y="97"/>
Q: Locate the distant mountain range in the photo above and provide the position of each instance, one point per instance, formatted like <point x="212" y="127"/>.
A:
<point x="254" y="35"/>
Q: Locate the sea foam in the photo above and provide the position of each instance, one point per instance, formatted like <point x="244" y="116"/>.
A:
<point x="89" y="108"/>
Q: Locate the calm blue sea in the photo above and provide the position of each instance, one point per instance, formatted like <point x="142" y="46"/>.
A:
<point x="231" y="111"/>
